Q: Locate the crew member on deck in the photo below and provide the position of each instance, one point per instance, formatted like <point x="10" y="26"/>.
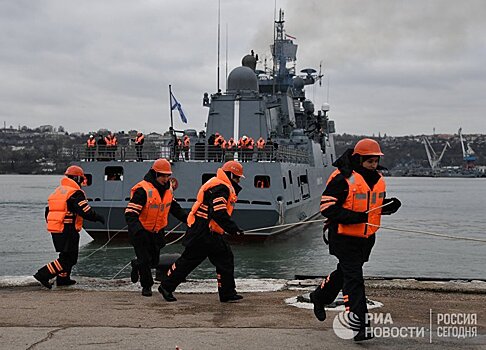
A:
<point x="67" y="207"/>
<point x="139" y="141"/>
<point x="219" y="145"/>
<point x="209" y="219"/>
<point x="186" y="145"/>
<point x="90" y="148"/>
<point x="352" y="202"/>
<point x="230" y="148"/>
<point x="147" y="215"/>
<point x="261" y="148"/>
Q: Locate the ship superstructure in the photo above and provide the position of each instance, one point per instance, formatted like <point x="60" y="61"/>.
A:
<point x="283" y="181"/>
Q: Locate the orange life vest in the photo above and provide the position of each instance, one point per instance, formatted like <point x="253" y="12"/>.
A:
<point x="58" y="210"/>
<point x="201" y="210"/>
<point x="91" y="142"/>
<point x="155" y="213"/>
<point x="261" y="143"/>
<point x="219" y="141"/>
<point x="361" y="198"/>
<point x="187" y="141"/>
<point x="231" y="144"/>
<point x="138" y="139"/>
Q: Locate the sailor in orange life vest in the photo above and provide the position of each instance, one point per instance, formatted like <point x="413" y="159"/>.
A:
<point x="67" y="207"/>
<point x="147" y="215"/>
<point x="354" y="189"/>
<point x="209" y="219"/>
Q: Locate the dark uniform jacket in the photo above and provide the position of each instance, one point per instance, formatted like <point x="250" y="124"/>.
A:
<point x="140" y="197"/>
<point x="78" y="205"/>
<point x="212" y="197"/>
<point x="341" y="246"/>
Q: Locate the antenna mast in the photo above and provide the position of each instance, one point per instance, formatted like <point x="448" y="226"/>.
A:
<point x="226" y="73"/>
<point x="219" y="34"/>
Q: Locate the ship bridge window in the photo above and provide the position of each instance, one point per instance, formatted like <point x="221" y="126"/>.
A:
<point x="114" y="173"/>
<point x="303" y="179"/>
<point x="206" y="177"/>
<point x="261" y="181"/>
<point x="89" y="179"/>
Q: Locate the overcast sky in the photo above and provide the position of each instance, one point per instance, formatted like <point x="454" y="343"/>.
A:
<point x="394" y="67"/>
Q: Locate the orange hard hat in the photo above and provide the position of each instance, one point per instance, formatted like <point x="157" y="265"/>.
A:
<point x="367" y="147"/>
<point x="162" y="166"/>
<point x="74" y="170"/>
<point x="234" y="167"/>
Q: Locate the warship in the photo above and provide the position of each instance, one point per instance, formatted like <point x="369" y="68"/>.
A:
<point x="283" y="181"/>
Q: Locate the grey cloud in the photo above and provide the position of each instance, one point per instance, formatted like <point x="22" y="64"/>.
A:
<point x="399" y="67"/>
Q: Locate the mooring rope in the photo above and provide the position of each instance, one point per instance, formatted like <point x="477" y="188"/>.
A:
<point x="379" y="226"/>
<point x="104" y="245"/>
<point x="431" y="233"/>
<point x="168" y="233"/>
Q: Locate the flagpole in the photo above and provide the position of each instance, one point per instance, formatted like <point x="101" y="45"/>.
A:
<point x="170" y="107"/>
<point x="173" y="151"/>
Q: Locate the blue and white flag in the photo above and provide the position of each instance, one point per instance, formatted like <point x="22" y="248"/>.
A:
<point x="175" y="104"/>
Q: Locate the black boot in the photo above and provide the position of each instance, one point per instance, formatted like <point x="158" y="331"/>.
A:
<point x="364" y="334"/>
<point x="43" y="280"/>
<point x="64" y="281"/>
<point x="168" y="296"/>
<point x="231" y="298"/>
<point x="134" y="275"/>
<point x="319" y="310"/>
<point x="147" y="292"/>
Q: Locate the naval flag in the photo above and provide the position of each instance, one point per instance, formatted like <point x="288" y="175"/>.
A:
<point x="175" y="104"/>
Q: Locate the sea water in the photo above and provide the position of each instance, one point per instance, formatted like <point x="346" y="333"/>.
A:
<point x="448" y="206"/>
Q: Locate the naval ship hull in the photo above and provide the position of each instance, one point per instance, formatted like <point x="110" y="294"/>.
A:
<point x="293" y="194"/>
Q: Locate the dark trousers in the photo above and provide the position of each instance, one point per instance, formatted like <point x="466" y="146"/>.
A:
<point x="147" y="246"/>
<point x="139" y="149"/>
<point x="348" y="276"/>
<point x="90" y="153"/>
<point x="67" y="245"/>
<point x="219" y="253"/>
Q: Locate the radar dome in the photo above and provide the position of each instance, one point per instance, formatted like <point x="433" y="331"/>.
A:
<point x="249" y="61"/>
<point x="242" y="78"/>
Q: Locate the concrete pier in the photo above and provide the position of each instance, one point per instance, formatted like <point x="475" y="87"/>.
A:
<point x="32" y="317"/>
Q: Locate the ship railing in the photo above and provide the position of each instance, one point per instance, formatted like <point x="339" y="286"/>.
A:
<point x="196" y="152"/>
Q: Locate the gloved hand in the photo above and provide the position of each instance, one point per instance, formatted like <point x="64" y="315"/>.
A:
<point x="363" y="217"/>
<point x="391" y="208"/>
<point x="100" y="218"/>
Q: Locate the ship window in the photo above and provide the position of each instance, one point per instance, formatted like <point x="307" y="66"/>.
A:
<point x="261" y="181"/>
<point x="114" y="173"/>
<point x="206" y="177"/>
<point x="284" y="182"/>
<point x="303" y="179"/>
<point x="290" y="177"/>
<point x="89" y="179"/>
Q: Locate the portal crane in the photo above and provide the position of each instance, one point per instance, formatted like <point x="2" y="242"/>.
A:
<point x="468" y="154"/>
<point x="434" y="160"/>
